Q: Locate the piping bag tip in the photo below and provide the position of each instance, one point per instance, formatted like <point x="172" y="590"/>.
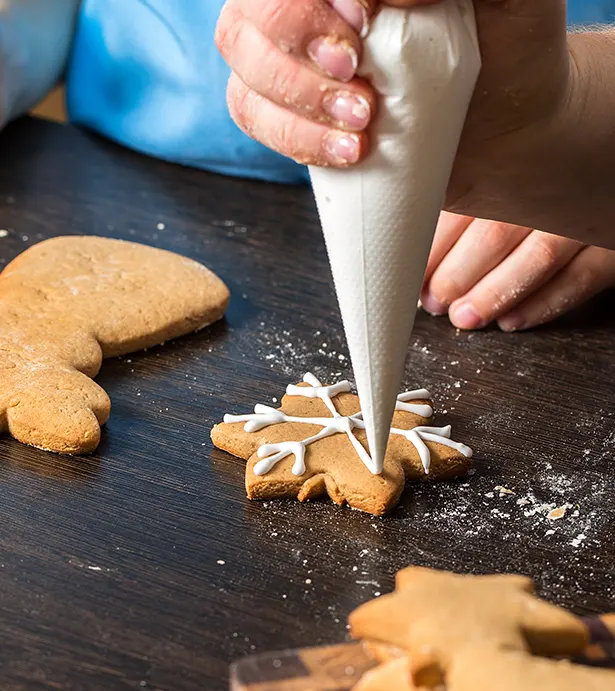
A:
<point x="377" y="429"/>
<point x="378" y="340"/>
<point x="379" y="217"/>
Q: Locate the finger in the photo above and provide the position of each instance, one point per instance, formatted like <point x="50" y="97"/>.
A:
<point x="355" y="12"/>
<point x="287" y="82"/>
<point x="450" y="227"/>
<point x="531" y="265"/>
<point x="589" y="273"/>
<point x="305" y="141"/>
<point x="477" y="251"/>
<point x="311" y="31"/>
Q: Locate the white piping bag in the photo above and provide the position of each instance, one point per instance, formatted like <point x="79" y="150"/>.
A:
<point x="379" y="218"/>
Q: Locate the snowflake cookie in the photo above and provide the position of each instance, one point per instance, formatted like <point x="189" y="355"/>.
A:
<point x="315" y="444"/>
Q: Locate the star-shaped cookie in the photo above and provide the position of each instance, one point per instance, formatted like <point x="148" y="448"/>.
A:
<point x="477" y="670"/>
<point x="315" y="444"/>
<point x="439" y="618"/>
<point x="486" y="670"/>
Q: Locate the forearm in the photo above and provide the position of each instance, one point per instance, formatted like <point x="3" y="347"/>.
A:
<point x="590" y="140"/>
<point x="35" y="38"/>
<point x="559" y="175"/>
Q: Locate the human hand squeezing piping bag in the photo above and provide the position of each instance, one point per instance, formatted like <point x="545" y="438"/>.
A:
<point x="379" y="218"/>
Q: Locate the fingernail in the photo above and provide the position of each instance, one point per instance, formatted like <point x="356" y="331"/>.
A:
<point x="348" y="109"/>
<point x="464" y="316"/>
<point x="343" y="149"/>
<point x="512" y="322"/>
<point x="337" y="58"/>
<point x="433" y="306"/>
<point x="352" y="12"/>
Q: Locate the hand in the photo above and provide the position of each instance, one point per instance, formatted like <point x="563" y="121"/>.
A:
<point x="481" y="271"/>
<point x="293" y="85"/>
<point x="294" y="88"/>
<point x="541" y="112"/>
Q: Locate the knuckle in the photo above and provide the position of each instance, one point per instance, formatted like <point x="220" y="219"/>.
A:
<point x="241" y="105"/>
<point x="272" y="15"/>
<point x="550" y="307"/>
<point x="228" y="31"/>
<point x="546" y="252"/>
<point x="219" y="33"/>
<point x="285" y="81"/>
<point x="497" y="300"/>
<point x="495" y="235"/>
<point x="585" y="278"/>
<point x="286" y="138"/>
<point x="446" y="289"/>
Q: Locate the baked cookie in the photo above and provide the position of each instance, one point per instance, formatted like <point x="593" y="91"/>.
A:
<point x="315" y="444"/>
<point x="393" y="675"/>
<point x="69" y="302"/>
<point x="479" y="670"/>
<point x="518" y="671"/>
<point x="472" y="633"/>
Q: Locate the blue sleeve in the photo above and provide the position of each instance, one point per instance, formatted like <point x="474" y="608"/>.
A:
<point x="35" y="39"/>
<point x="582" y="12"/>
<point x="147" y="74"/>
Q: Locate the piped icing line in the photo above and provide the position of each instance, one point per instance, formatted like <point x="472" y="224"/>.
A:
<point x="272" y="454"/>
<point x="420" y="409"/>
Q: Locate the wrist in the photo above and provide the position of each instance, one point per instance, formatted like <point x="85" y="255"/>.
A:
<point x="515" y="123"/>
<point x="582" y="142"/>
<point x="557" y="172"/>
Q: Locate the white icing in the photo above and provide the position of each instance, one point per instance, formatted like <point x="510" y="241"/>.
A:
<point x="272" y="454"/>
<point x="440" y="435"/>
<point x="419" y="394"/>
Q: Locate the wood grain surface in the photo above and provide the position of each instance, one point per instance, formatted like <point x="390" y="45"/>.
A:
<point x="144" y="567"/>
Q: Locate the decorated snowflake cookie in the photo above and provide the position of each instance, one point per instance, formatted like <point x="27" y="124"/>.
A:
<point x="315" y="444"/>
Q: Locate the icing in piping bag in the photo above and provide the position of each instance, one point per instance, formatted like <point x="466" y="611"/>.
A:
<point x="379" y="218"/>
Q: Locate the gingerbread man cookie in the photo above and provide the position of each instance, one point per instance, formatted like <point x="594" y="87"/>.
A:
<point x="315" y="444"/>
<point x="69" y="302"/>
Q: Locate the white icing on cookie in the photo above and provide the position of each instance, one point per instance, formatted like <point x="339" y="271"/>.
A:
<point x="272" y="454"/>
<point x="419" y="394"/>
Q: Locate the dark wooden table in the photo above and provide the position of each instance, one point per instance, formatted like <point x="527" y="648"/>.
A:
<point x="144" y="567"/>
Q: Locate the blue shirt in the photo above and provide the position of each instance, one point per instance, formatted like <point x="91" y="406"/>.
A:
<point x="583" y="12"/>
<point x="147" y="74"/>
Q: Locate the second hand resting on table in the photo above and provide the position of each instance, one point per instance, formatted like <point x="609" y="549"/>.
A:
<point x="480" y="271"/>
<point x="293" y="88"/>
